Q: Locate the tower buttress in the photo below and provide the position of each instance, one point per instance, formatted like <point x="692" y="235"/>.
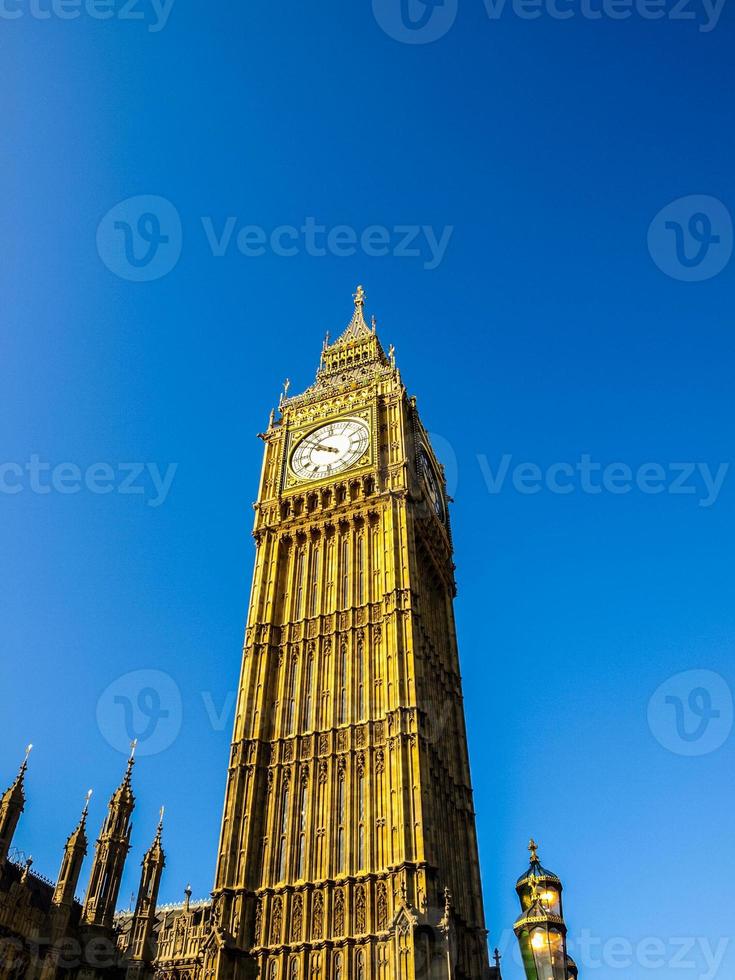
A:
<point x="141" y="947"/>
<point x="110" y="851"/>
<point x="12" y="804"/>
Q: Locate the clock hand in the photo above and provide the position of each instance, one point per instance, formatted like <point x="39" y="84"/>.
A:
<point x="327" y="449"/>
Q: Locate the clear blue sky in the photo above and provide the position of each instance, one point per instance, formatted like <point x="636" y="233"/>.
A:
<point x="545" y="332"/>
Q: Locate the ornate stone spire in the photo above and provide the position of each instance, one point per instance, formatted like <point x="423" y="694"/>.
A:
<point x="141" y="948"/>
<point x="12" y="804"/>
<point x="110" y="852"/>
<point x="80" y="830"/>
<point x="75" y="850"/>
<point x="357" y="327"/>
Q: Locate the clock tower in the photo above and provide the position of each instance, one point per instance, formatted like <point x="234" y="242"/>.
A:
<point x="348" y="847"/>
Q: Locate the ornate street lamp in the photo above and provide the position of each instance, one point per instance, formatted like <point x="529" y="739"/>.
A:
<point x="541" y="931"/>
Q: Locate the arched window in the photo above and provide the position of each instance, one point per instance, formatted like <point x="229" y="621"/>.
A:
<point x="284" y="828"/>
<point x="343" y="684"/>
<point x="345" y="572"/>
<point x="299" y="583"/>
<point x="273" y="971"/>
<point x="302" y="830"/>
<point x="361" y="819"/>
<point x="290" y="685"/>
<point x="293" y="970"/>
<point x="360" y="680"/>
<point x="360" y="965"/>
<point x="340" y="821"/>
<point x="316" y="965"/>
<point x="337" y="966"/>
<point x="314" y="579"/>
<point x="308" y="678"/>
<point x="360" y="573"/>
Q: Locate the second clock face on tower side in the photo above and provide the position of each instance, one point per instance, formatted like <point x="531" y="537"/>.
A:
<point x="432" y="486"/>
<point x="330" y="449"/>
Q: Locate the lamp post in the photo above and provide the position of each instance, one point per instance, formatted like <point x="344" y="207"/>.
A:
<point x="540" y="929"/>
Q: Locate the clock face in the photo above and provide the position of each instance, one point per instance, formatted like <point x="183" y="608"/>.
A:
<point x="330" y="449"/>
<point x="431" y="485"/>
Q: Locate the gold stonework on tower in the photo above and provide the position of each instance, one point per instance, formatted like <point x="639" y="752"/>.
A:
<point x="348" y="847"/>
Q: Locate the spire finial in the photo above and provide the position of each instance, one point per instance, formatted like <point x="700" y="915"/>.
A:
<point x="497" y="957"/>
<point x="160" y="817"/>
<point x="131" y="760"/>
<point x="85" y="808"/>
<point x="359" y="297"/>
<point x="22" y="770"/>
<point x="533" y="848"/>
<point x="187" y="897"/>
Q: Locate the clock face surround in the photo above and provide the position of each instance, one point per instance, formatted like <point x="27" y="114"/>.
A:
<point x="330" y="449"/>
<point x="431" y="484"/>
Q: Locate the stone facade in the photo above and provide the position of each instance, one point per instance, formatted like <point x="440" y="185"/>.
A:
<point x="348" y="848"/>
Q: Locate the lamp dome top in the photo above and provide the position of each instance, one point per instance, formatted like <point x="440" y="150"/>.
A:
<point x="535" y="869"/>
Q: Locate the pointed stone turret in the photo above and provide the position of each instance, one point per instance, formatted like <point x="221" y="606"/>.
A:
<point x="141" y="948"/>
<point x="12" y="804"/>
<point x="62" y="903"/>
<point x="75" y="851"/>
<point x="110" y="852"/>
